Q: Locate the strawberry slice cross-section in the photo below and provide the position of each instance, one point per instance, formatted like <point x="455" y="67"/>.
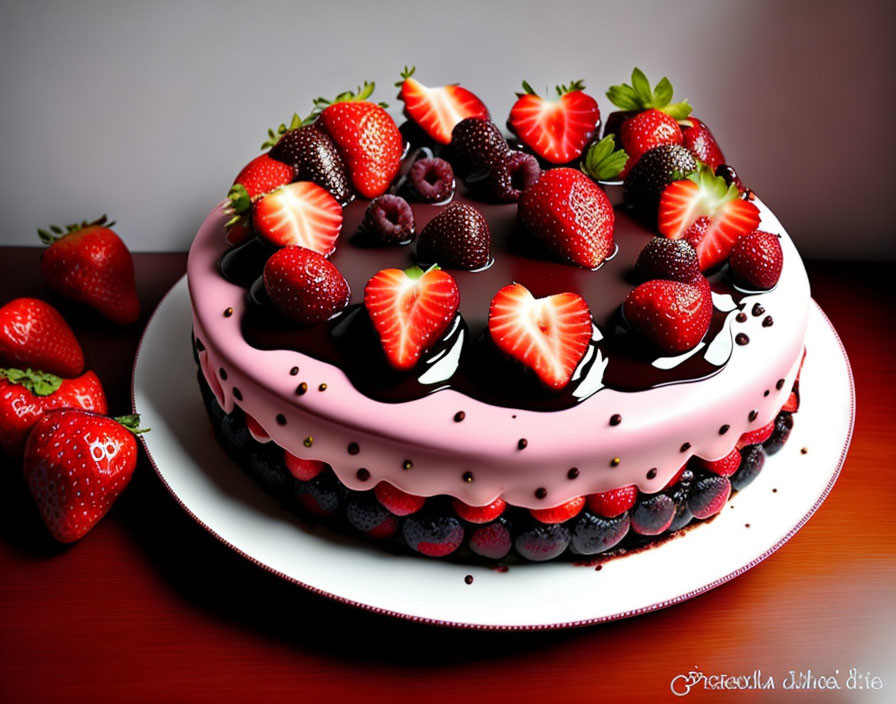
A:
<point x="707" y="212"/>
<point x="556" y="130"/>
<point x="410" y="310"/>
<point x="300" y="213"/>
<point x="437" y="110"/>
<point x="549" y="335"/>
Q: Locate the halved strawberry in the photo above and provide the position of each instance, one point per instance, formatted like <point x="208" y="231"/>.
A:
<point x="410" y="310"/>
<point x="559" y="514"/>
<point x="437" y="110"/>
<point x="703" y="194"/>
<point x="792" y="404"/>
<point x="396" y="501"/>
<point x="302" y="469"/>
<point x="479" y="514"/>
<point x="724" y="467"/>
<point x="300" y="213"/>
<point x="755" y="437"/>
<point x="615" y="502"/>
<point x="556" y="130"/>
<point x="549" y="335"/>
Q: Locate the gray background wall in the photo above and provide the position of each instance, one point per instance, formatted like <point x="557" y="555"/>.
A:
<point x="147" y="110"/>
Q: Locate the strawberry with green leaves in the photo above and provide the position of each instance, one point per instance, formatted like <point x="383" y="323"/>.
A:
<point x="34" y="334"/>
<point x="366" y="136"/>
<point x="89" y="263"/>
<point x="25" y="395"/>
<point x="77" y="463"/>
<point x="437" y="110"/>
<point x="410" y="310"/>
<point x="708" y="213"/>
<point x="555" y="130"/>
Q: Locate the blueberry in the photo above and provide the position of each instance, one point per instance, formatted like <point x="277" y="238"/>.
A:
<point x="432" y="180"/>
<point x="322" y="495"/>
<point x="364" y="512"/>
<point x="234" y="431"/>
<point x="435" y="535"/>
<point x="542" y="542"/>
<point x="783" y="426"/>
<point x="592" y="533"/>
<point x="709" y="495"/>
<point x="653" y="515"/>
<point x="752" y="460"/>
<point x="492" y="540"/>
<point x="683" y="515"/>
<point x="389" y="219"/>
<point x="268" y="470"/>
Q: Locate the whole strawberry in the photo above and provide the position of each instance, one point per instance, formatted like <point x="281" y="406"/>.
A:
<point x="756" y="260"/>
<point x="304" y="285"/>
<point x="25" y="395"/>
<point x="458" y="237"/>
<point x="367" y="139"/>
<point x="571" y="215"/>
<point x="699" y="140"/>
<point x="262" y="175"/>
<point x="90" y="264"/>
<point x="34" y="334"/>
<point x="671" y="315"/>
<point x="644" y="131"/>
<point x="77" y="464"/>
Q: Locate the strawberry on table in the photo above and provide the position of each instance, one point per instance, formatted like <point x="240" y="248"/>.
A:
<point x="672" y="315"/>
<point x="25" y="395"/>
<point x="300" y="213"/>
<point x="438" y="110"/>
<point x="571" y="215"/>
<point x="33" y="334"/>
<point x="304" y="285"/>
<point x="556" y="130"/>
<point x="548" y="335"/>
<point x="715" y="210"/>
<point x="77" y="463"/>
<point x="410" y="310"/>
<point x="90" y="264"/>
<point x="367" y="139"/>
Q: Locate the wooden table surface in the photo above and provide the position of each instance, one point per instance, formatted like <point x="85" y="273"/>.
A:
<point x="149" y="607"/>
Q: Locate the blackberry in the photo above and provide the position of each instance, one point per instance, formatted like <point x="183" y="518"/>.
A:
<point x="234" y="431"/>
<point x="783" y="426"/>
<point x="476" y="144"/>
<point x="709" y="495"/>
<point x="431" y="180"/>
<point x="541" y="542"/>
<point x="435" y="535"/>
<point x="653" y="515"/>
<point x="268" y="470"/>
<point x="663" y="258"/>
<point x="683" y="515"/>
<point x="364" y="512"/>
<point x="752" y="460"/>
<point x="313" y="155"/>
<point x="457" y="237"/>
<point x="322" y="495"/>
<point x="509" y="177"/>
<point x="655" y="170"/>
<point x="492" y="540"/>
<point x="389" y="219"/>
<point x="592" y="533"/>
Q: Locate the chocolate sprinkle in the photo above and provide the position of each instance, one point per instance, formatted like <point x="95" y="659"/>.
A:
<point x="222" y="372"/>
<point x="281" y="419"/>
<point x="407" y="464"/>
<point x="779" y="384"/>
<point x="686" y="447"/>
<point x="353" y="448"/>
<point x="766" y="392"/>
<point x="741" y="338"/>
<point x="363" y="474"/>
<point x="237" y="394"/>
<point x="459" y="416"/>
<point x="468" y="477"/>
<point x="757" y="310"/>
<point x="199" y="346"/>
<point x="804" y="450"/>
<point x="724" y="429"/>
<point x="293" y="371"/>
<point x="573" y="473"/>
<point x="615" y="419"/>
<point x="651" y="473"/>
<point x="741" y="317"/>
<point x="752" y="415"/>
<point x="522" y="444"/>
<point x="541" y="492"/>
<point x="301" y="388"/>
<point x="468" y="579"/>
<point x="228" y="312"/>
<point x="768" y="321"/>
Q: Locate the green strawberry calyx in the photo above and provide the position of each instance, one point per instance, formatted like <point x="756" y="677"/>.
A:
<point x="561" y="90"/>
<point x="37" y="382"/>
<point x="360" y="95"/>
<point x="713" y="189"/>
<point x="131" y="423"/>
<point x="275" y="135"/>
<point x="603" y="162"/>
<point x="415" y="272"/>
<point x="54" y="232"/>
<point x="639" y="96"/>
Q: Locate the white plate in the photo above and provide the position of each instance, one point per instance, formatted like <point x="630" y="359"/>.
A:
<point x="228" y="504"/>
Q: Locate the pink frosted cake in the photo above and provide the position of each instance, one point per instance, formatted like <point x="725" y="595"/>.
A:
<point x="608" y="345"/>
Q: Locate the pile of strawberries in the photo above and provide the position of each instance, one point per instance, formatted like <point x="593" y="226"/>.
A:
<point x="553" y="168"/>
<point x="76" y="459"/>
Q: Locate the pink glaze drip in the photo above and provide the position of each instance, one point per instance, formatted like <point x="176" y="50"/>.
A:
<point x="655" y="426"/>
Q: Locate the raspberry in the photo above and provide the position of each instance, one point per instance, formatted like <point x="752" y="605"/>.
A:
<point x="663" y="258"/>
<point x="389" y="219"/>
<point x="509" y="177"/>
<point x="432" y="180"/>
<point x="756" y="260"/>
<point x="476" y="144"/>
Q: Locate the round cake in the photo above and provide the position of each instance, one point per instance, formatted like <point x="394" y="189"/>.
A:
<point x="578" y="345"/>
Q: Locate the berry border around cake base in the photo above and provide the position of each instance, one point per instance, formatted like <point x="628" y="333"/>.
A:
<point x="207" y="484"/>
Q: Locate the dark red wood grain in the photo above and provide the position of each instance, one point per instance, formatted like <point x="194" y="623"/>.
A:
<point x="149" y="607"/>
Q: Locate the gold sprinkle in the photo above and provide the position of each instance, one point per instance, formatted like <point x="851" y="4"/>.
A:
<point x="615" y="462"/>
<point x="322" y="387"/>
<point x="228" y="312"/>
<point x="308" y="442"/>
<point x="407" y="464"/>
